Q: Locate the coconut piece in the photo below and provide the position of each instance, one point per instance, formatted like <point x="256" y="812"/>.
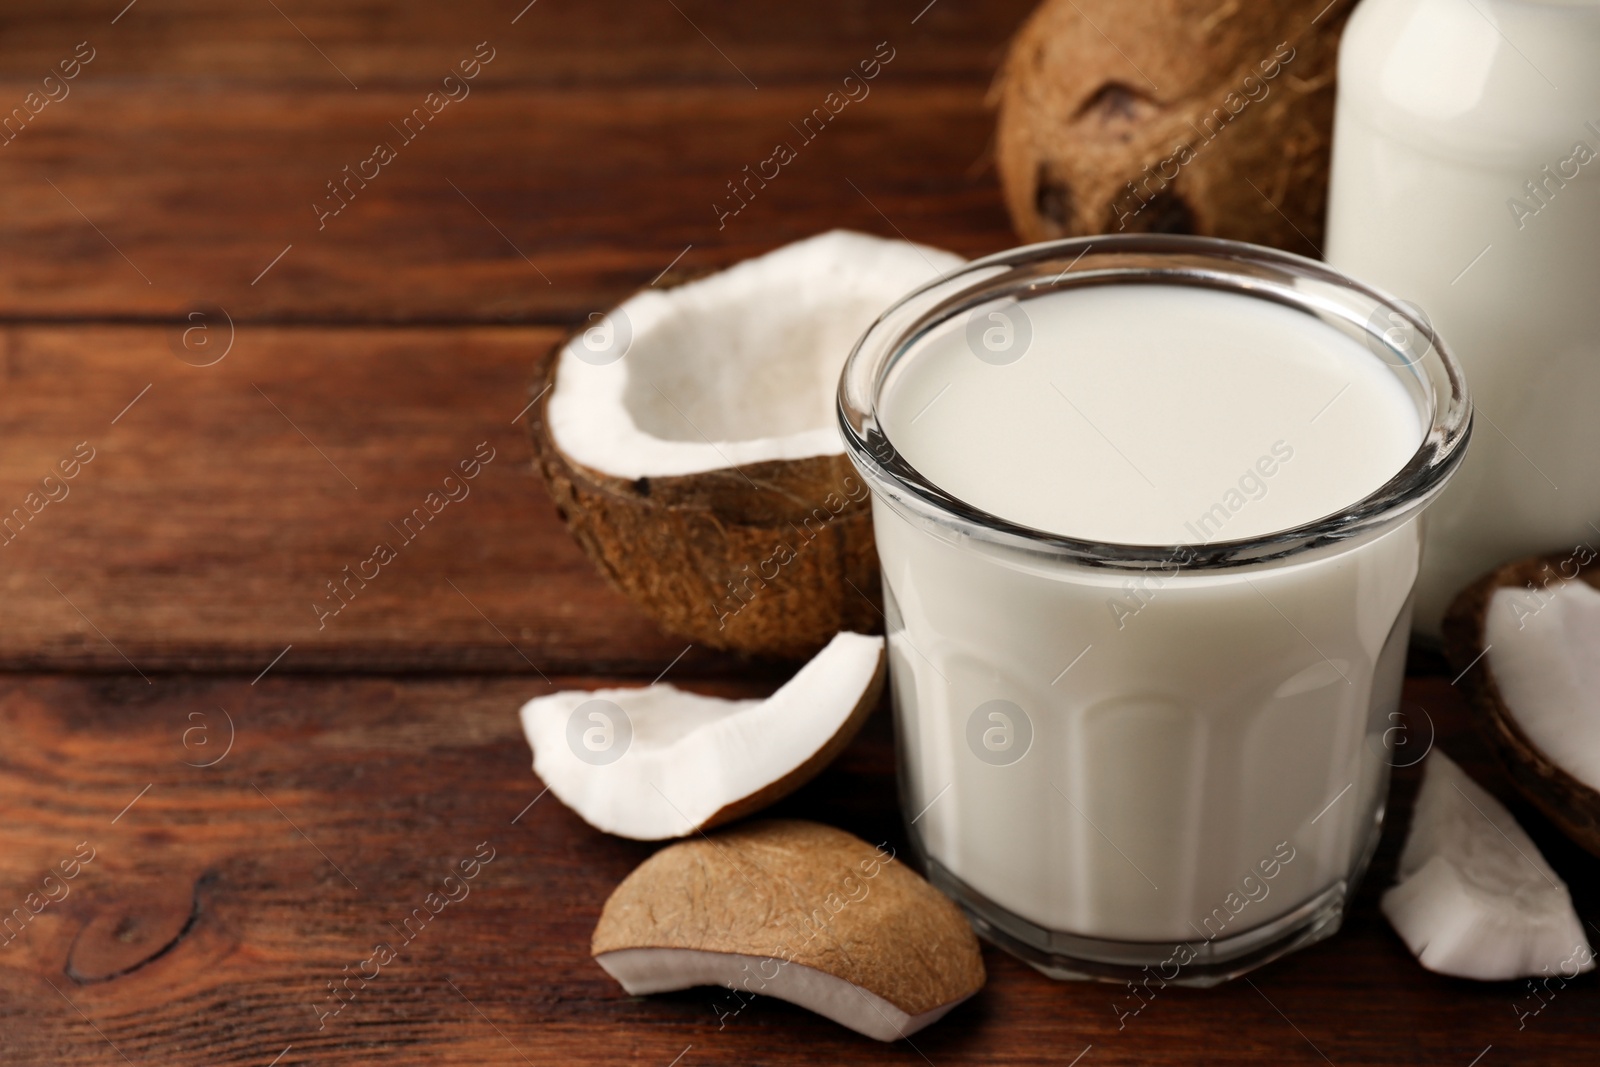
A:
<point x="1525" y="639"/>
<point x="1475" y="898"/>
<point x="798" y="911"/>
<point x="1545" y="655"/>
<point x="658" y="762"/>
<point x="690" y="441"/>
<point x="1243" y="94"/>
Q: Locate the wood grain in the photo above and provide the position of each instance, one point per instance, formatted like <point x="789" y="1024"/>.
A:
<point x="617" y="42"/>
<point x="220" y="504"/>
<point x="172" y="189"/>
<point x="218" y="907"/>
<point x="517" y="203"/>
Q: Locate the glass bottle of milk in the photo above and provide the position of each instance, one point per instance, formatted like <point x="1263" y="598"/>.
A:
<point x="1466" y="180"/>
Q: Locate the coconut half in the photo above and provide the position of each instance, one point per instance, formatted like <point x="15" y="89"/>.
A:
<point x="798" y="911"/>
<point x="1527" y="640"/>
<point x="658" y="762"/>
<point x="690" y="441"/>
<point x="1475" y="898"/>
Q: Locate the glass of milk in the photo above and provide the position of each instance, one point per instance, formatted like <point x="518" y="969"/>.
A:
<point x="1148" y="510"/>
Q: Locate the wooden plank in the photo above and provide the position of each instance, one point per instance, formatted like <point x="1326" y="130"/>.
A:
<point x="218" y="507"/>
<point x="514" y="204"/>
<point x="220" y="905"/>
<point x="402" y="42"/>
<point x="180" y="174"/>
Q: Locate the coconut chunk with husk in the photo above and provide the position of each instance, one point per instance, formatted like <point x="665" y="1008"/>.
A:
<point x="1525" y="640"/>
<point x="690" y="441"/>
<point x="1545" y="655"/>
<point x="659" y="762"/>
<point x="798" y="911"/>
<point x="1475" y="898"/>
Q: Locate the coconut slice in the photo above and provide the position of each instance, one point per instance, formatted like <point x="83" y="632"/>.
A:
<point x="1526" y="639"/>
<point x="1475" y="898"/>
<point x="658" y="762"/>
<point x="797" y="911"/>
<point x="690" y="441"/>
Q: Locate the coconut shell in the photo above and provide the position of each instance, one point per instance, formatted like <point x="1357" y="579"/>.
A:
<point x="1573" y="806"/>
<point x="1093" y="92"/>
<point x="694" y="551"/>
<point x="803" y="893"/>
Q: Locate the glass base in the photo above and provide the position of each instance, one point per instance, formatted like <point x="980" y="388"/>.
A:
<point x="1198" y="963"/>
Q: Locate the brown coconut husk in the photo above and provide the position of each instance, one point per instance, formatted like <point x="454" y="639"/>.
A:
<point x="1092" y="92"/>
<point x="696" y="551"/>
<point x="802" y="893"/>
<point x="1573" y="806"/>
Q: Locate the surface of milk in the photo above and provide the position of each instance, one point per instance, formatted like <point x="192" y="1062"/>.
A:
<point x="1182" y="754"/>
<point x="1466" y="178"/>
<point x="1155" y="415"/>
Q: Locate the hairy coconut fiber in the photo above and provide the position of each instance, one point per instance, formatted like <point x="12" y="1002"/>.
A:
<point x="771" y="559"/>
<point x="1208" y="117"/>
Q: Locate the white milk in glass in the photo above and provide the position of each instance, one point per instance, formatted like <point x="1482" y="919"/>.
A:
<point x="1466" y="178"/>
<point x="1190" y="754"/>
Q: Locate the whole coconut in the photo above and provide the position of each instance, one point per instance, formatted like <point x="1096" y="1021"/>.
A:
<point x="1171" y="116"/>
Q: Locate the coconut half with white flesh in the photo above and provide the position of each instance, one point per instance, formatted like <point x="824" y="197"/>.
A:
<point x="797" y="911"/>
<point x="1475" y="898"/>
<point x="658" y="762"/>
<point x="690" y="441"/>
<point x="1526" y="639"/>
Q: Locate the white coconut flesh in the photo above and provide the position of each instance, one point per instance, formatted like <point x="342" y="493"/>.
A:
<point x="688" y="756"/>
<point x="642" y="971"/>
<point x="737" y="368"/>
<point x="1544" y="653"/>
<point x="1475" y="898"/>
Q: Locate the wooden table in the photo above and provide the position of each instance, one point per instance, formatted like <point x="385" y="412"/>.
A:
<point x="265" y="797"/>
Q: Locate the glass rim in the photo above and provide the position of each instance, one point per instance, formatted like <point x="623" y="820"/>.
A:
<point x="1445" y="409"/>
